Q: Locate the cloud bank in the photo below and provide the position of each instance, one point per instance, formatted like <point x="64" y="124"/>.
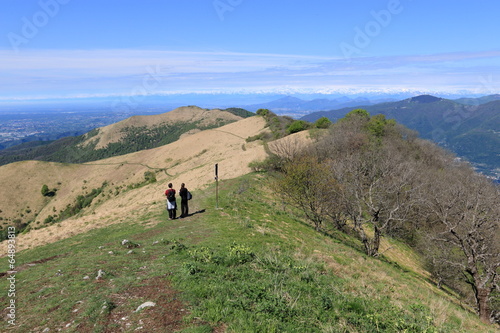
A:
<point x="44" y="74"/>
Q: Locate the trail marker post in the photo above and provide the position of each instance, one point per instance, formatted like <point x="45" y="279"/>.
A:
<point x="217" y="185"/>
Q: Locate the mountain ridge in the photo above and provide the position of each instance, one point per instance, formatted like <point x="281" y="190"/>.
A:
<point x="290" y="105"/>
<point x="132" y="134"/>
<point x="470" y="131"/>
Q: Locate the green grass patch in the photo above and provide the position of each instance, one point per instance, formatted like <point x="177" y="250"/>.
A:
<point x="247" y="267"/>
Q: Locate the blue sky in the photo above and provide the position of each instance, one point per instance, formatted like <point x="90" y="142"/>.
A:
<point x="106" y="48"/>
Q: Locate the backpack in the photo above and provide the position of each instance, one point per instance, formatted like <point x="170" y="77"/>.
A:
<point x="170" y="195"/>
<point x="189" y="195"/>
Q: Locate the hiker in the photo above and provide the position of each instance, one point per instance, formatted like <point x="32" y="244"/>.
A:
<point x="185" y="196"/>
<point x="171" y="204"/>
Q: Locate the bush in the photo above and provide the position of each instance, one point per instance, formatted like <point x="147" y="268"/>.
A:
<point x="264" y="112"/>
<point x="254" y="138"/>
<point x="49" y="219"/>
<point x="297" y="126"/>
<point x="271" y="163"/>
<point x="46" y="192"/>
<point x="149" y="177"/>
<point x="357" y="113"/>
<point x="322" y="122"/>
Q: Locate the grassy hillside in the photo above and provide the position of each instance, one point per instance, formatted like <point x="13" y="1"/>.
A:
<point x="254" y="265"/>
<point x="251" y="266"/>
<point x="188" y="160"/>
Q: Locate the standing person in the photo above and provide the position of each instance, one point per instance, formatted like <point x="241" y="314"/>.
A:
<point x="171" y="203"/>
<point x="183" y="193"/>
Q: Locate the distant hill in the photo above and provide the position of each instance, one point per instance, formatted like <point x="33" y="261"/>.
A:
<point x="295" y="106"/>
<point x="470" y="131"/>
<point x="127" y="136"/>
<point x="479" y="100"/>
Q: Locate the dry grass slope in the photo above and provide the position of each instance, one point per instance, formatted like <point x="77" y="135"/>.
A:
<point x="189" y="160"/>
<point x="114" y="132"/>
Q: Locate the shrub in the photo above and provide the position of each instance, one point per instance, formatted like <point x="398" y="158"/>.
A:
<point x="254" y="138"/>
<point x="271" y="163"/>
<point x="149" y="177"/>
<point x="297" y="126"/>
<point x="264" y="112"/>
<point x="357" y="113"/>
<point x="49" y="219"/>
<point x="46" y="192"/>
<point x="323" y="122"/>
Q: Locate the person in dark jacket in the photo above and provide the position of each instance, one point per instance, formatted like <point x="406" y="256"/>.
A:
<point x="171" y="203"/>
<point x="183" y="193"/>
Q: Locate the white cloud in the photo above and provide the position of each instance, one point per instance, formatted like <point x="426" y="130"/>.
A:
<point x="101" y="73"/>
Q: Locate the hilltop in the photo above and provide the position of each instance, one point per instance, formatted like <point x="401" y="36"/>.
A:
<point x="132" y="134"/>
<point x="196" y="117"/>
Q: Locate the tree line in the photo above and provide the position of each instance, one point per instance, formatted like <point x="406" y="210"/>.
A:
<point x="372" y="178"/>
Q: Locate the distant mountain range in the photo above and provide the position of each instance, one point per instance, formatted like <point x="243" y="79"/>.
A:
<point x="479" y="100"/>
<point x="294" y="106"/>
<point x="470" y="127"/>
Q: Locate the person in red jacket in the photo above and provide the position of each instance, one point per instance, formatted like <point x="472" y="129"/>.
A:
<point x="171" y="203"/>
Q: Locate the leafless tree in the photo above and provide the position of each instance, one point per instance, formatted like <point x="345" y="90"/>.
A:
<point x="307" y="185"/>
<point x="378" y="190"/>
<point x="464" y="211"/>
<point x="289" y="147"/>
<point x="374" y="176"/>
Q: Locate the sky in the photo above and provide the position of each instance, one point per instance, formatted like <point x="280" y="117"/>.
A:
<point x="51" y="49"/>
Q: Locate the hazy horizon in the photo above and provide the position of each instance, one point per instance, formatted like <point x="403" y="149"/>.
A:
<point x="63" y="49"/>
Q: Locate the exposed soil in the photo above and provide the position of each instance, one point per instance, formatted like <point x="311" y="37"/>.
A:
<point x="166" y="316"/>
<point x="30" y="264"/>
